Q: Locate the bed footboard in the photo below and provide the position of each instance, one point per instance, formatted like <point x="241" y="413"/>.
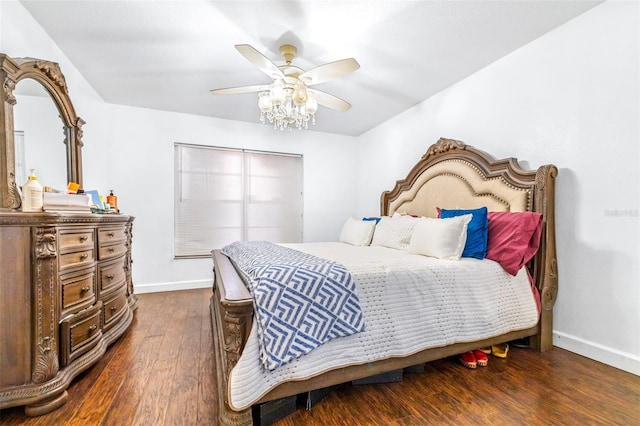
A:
<point x="231" y="316"/>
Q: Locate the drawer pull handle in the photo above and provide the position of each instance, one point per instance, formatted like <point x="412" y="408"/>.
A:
<point x="92" y="328"/>
<point x="85" y="289"/>
<point x="110" y="276"/>
<point x="111" y="249"/>
<point x="84" y="238"/>
<point x="84" y="256"/>
<point x="113" y="309"/>
<point x="111" y="234"/>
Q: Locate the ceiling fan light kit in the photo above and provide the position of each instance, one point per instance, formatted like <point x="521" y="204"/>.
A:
<point x="288" y="103"/>
<point x="287" y="107"/>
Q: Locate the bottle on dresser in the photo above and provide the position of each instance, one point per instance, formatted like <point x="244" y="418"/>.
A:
<point x="32" y="194"/>
<point x="112" y="200"/>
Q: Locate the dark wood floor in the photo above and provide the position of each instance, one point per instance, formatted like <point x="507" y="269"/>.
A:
<point x="161" y="373"/>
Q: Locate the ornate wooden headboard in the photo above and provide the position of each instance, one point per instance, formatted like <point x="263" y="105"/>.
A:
<point x="454" y="175"/>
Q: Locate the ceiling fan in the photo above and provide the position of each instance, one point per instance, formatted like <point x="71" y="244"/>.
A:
<point x="288" y="101"/>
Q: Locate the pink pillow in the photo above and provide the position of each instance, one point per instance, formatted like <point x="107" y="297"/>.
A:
<point x="514" y="238"/>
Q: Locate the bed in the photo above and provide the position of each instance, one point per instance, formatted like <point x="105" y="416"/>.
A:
<point x="450" y="175"/>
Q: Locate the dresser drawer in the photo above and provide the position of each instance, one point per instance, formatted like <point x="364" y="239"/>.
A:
<point x="77" y="258"/>
<point x="78" y="291"/>
<point x="111" y="275"/>
<point x="109" y="252"/>
<point x="113" y="308"/>
<point x="75" y="238"/>
<point x="109" y="236"/>
<point x="79" y="333"/>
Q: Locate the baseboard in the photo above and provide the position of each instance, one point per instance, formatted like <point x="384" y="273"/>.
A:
<point x="613" y="357"/>
<point x="171" y="286"/>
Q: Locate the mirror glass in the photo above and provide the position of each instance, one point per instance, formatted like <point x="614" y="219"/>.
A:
<point x="40" y="136"/>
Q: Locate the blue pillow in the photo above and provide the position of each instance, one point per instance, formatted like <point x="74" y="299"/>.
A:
<point x="477" y="231"/>
<point x="377" y="219"/>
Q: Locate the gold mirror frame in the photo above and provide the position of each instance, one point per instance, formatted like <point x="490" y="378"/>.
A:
<point x="48" y="74"/>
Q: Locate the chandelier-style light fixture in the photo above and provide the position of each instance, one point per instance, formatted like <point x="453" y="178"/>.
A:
<point x="288" y="106"/>
<point x="288" y="103"/>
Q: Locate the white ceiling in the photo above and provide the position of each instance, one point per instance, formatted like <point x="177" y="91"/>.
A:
<point x="167" y="55"/>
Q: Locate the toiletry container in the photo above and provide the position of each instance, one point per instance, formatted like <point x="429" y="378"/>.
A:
<point x="112" y="200"/>
<point x="32" y="194"/>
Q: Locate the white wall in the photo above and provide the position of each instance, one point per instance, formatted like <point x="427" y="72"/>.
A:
<point x="130" y="150"/>
<point x="569" y="98"/>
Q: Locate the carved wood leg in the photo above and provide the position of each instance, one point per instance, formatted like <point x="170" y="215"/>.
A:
<point x="543" y="341"/>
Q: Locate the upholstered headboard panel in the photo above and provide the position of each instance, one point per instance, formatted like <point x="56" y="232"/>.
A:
<point x="455" y="184"/>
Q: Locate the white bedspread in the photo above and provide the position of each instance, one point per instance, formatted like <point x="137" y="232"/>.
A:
<point x="410" y="303"/>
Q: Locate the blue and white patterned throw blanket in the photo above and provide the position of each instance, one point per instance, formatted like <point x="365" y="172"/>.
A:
<point x="301" y="301"/>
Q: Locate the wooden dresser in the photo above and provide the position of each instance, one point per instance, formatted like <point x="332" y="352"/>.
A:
<point x="65" y="295"/>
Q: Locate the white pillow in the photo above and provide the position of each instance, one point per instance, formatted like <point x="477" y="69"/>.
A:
<point x="394" y="232"/>
<point x="441" y="238"/>
<point x="357" y="232"/>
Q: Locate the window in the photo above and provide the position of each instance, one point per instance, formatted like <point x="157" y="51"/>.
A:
<point x="224" y="195"/>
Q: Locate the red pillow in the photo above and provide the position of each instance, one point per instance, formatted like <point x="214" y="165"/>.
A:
<point x="513" y="239"/>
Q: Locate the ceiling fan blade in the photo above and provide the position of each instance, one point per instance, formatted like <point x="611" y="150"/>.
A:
<point x="263" y="63"/>
<point x="330" y="101"/>
<point x="329" y="71"/>
<point x="240" y="89"/>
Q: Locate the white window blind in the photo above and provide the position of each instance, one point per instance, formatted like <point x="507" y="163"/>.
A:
<point x="224" y="195"/>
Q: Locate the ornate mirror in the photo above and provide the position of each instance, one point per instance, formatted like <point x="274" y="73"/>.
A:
<point x="48" y="76"/>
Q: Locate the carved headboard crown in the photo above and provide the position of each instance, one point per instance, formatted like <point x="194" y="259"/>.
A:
<point x="452" y="174"/>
